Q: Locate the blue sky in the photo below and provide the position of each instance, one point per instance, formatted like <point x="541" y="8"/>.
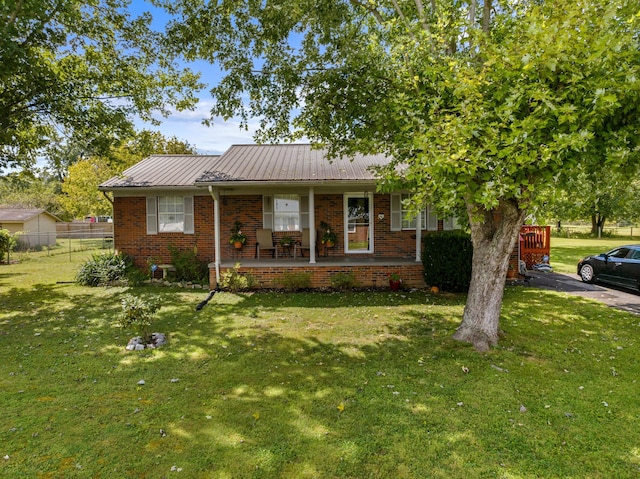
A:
<point x="187" y="125"/>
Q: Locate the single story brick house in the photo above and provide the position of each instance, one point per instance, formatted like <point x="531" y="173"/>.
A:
<point x="193" y="201"/>
<point x="36" y="226"/>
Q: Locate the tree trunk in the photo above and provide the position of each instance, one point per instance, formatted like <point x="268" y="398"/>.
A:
<point x="494" y="236"/>
<point x="597" y="224"/>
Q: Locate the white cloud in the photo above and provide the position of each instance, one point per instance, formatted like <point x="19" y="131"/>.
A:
<point x="215" y="139"/>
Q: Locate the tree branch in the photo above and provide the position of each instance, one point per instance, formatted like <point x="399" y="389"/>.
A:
<point x="402" y="17"/>
<point x="14" y="15"/>
<point x="486" y="16"/>
<point x="472" y="13"/>
<point x="423" y="20"/>
<point x="372" y="10"/>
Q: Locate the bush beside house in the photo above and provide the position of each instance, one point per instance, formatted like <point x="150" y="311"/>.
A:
<point x="447" y="258"/>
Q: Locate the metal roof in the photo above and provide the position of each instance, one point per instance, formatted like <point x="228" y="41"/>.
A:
<point x="20" y="215"/>
<point x="247" y="163"/>
<point x="163" y="170"/>
<point x="288" y="163"/>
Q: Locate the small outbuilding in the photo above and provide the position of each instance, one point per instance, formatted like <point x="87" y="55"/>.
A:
<point x="37" y="227"/>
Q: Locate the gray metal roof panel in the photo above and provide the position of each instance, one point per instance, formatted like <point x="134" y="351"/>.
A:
<point x="163" y="170"/>
<point x="283" y="163"/>
<point x="246" y="163"/>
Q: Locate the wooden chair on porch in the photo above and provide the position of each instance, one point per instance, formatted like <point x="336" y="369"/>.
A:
<point x="305" y="243"/>
<point x="264" y="241"/>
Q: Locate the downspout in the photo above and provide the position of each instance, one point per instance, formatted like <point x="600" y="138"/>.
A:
<point x="104" y="193"/>
<point x="216" y="231"/>
<point x="312" y="226"/>
<point x="419" y="237"/>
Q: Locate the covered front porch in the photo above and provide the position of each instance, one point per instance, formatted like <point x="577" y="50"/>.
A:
<point x="367" y="271"/>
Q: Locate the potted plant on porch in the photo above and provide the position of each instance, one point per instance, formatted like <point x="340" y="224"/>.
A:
<point x="286" y="241"/>
<point x="237" y="238"/>
<point x="328" y="237"/>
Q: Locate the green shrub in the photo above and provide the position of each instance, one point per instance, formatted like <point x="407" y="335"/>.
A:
<point x="103" y="269"/>
<point x="447" y="258"/>
<point x="188" y="266"/>
<point x="136" y="277"/>
<point x="137" y="315"/>
<point x="343" y="280"/>
<point x="294" y="281"/>
<point x="7" y="243"/>
<point x="234" y="281"/>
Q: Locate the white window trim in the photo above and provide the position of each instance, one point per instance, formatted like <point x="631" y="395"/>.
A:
<point x="153" y="216"/>
<point x="429" y="218"/>
<point x="268" y="211"/>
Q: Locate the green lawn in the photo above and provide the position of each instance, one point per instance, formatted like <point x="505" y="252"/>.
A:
<point x="325" y="385"/>
<point x="566" y="252"/>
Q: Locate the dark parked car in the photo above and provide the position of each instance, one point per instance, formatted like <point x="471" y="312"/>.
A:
<point x="620" y="266"/>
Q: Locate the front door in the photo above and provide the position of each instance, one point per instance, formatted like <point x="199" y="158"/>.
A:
<point x="358" y="228"/>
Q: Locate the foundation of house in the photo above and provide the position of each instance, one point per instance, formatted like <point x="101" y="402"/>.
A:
<point x="368" y="272"/>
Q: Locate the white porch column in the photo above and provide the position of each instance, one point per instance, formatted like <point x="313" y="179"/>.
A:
<point x="312" y="226"/>
<point x="216" y="230"/>
<point x="419" y="237"/>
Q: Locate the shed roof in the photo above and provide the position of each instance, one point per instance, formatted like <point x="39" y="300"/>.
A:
<point x="20" y="215"/>
<point x="291" y="163"/>
<point x="163" y="170"/>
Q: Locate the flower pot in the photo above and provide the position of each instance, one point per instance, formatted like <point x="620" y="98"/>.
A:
<point x="328" y="244"/>
<point x="237" y="244"/>
<point x="395" y="284"/>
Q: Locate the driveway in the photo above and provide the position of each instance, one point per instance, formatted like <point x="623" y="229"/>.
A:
<point x="619" y="298"/>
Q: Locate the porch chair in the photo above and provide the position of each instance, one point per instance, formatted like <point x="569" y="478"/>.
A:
<point x="304" y="244"/>
<point x="264" y="241"/>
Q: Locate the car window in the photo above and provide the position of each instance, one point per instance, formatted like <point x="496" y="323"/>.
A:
<point x="619" y="253"/>
<point x="636" y="254"/>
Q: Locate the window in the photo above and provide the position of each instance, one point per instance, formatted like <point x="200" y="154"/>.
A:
<point x="286" y="212"/>
<point x="619" y="253"/>
<point x="428" y="218"/>
<point x="170" y="214"/>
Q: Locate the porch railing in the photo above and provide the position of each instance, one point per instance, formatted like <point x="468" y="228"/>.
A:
<point x="535" y="244"/>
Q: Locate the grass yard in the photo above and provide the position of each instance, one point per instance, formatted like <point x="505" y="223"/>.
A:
<point x="324" y="385"/>
<point x="566" y="252"/>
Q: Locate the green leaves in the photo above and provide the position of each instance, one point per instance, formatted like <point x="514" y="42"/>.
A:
<point x="78" y="68"/>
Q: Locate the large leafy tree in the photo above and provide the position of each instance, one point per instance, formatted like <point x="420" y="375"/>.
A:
<point x="80" y="188"/>
<point x="34" y="188"/>
<point x="76" y="69"/>
<point x="597" y="196"/>
<point x="121" y="154"/>
<point x="478" y="102"/>
<point x="80" y="195"/>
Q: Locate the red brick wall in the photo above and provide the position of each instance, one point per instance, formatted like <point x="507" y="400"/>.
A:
<point x="130" y="232"/>
<point x="365" y="275"/>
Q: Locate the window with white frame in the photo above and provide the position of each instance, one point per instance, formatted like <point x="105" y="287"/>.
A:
<point x="401" y="220"/>
<point x="170" y="214"/>
<point x="286" y="212"/>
